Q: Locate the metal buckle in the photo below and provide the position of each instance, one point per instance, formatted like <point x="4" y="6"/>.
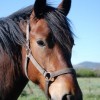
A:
<point x="48" y="77"/>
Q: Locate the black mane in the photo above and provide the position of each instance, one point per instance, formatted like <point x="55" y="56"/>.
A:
<point x="11" y="37"/>
<point x="61" y="30"/>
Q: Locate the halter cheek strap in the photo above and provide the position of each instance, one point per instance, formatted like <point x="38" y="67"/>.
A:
<point x="49" y="76"/>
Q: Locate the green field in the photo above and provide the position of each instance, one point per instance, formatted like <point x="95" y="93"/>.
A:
<point x="89" y="86"/>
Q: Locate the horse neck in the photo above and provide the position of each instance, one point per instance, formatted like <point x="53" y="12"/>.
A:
<point x="11" y="81"/>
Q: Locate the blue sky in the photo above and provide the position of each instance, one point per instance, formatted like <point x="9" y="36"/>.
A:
<point x="85" y="18"/>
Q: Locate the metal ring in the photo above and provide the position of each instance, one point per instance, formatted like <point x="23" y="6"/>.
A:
<point x="48" y="75"/>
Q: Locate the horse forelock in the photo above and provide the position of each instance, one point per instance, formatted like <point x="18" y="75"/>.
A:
<point x="61" y="30"/>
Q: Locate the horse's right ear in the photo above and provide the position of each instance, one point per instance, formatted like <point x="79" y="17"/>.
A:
<point x="39" y="8"/>
<point x="64" y="6"/>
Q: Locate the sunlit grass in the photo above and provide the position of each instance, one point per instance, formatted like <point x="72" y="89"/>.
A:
<point x="90" y="88"/>
<point x="32" y="92"/>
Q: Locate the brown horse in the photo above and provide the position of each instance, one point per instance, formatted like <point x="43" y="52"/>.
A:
<point x="36" y="44"/>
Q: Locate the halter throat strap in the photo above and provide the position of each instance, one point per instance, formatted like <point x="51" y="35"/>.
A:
<point x="49" y="76"/>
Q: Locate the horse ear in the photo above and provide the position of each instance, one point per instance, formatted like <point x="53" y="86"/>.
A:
<point x="39" y="8"/>
<point x="64" y="6"/>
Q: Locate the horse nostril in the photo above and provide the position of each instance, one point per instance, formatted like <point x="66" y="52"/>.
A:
<point x="68" y="97"/>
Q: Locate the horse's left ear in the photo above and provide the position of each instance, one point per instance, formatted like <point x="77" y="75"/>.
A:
<point x="39" y="8"/>
<point x="65" y="6"/>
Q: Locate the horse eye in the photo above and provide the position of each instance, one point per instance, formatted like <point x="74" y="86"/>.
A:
<point x="41" y="43"/>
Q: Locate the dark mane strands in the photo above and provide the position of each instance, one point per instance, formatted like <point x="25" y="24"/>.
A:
<point x="60" y="28"/>
<point x="11" y="36"/>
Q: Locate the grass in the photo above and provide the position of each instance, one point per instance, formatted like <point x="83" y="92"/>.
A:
<point x="32" y="92"/>
<point x="89" y="86"/>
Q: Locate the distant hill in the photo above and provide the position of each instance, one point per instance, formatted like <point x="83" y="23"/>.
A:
<point x="88" y="65"/>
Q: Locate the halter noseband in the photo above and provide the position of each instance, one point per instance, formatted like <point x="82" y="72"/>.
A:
<point x="49" y="76"/>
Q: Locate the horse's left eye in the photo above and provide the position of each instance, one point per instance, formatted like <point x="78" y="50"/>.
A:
<point x="41" y="43"/>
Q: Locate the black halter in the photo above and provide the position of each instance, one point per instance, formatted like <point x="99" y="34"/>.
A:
<point x="49" y="76"/>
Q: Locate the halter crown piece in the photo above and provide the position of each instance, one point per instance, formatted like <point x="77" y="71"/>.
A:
<point x="49" y="76"/>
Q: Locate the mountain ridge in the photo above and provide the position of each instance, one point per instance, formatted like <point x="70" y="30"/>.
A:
<point x="88" y="65"/>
